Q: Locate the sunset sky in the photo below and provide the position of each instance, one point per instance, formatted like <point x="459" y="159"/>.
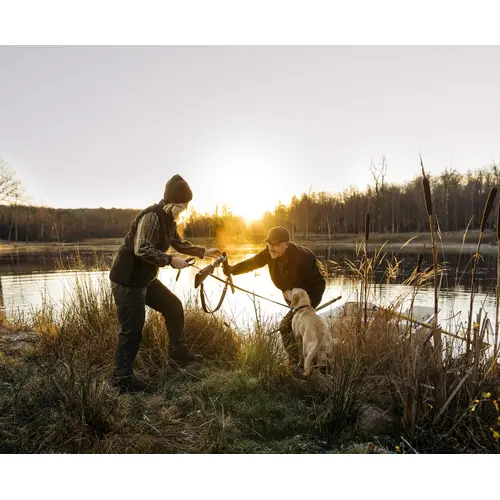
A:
<point x="245" y="125"/>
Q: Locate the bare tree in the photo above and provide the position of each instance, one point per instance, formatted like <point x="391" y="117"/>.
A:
<point x="378" y="173"/>
<point x="10" y="187"/>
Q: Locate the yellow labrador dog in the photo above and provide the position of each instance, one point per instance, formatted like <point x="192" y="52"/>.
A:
<point x="310" y="330"/>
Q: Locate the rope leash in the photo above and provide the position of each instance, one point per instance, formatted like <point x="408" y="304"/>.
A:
<point x="229" y="282"/>
<point x="226" y="283"/>
<point x="203" y="298"/>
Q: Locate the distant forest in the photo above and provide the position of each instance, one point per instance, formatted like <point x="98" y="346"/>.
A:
<point x="393" y="208"/>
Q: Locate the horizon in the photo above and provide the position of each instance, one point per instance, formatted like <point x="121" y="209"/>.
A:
<point x="284" y="202"/>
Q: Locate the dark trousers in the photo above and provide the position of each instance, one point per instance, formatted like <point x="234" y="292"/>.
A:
<point x="287" y="335"/>
<point x="131" y="305"/>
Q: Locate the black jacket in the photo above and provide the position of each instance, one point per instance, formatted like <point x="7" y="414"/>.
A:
<point x="297" y="268"/>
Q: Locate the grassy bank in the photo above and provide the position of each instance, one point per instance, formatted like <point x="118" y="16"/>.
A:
<point x="55" y="392"/>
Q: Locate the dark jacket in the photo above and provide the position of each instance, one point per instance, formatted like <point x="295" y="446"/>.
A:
<point x="297" y="268"/>
<point x="129" y="269"/>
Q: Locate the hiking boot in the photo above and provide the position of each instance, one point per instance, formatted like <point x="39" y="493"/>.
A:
<point x="129" y="383"/>
<point x="181" y="354"/>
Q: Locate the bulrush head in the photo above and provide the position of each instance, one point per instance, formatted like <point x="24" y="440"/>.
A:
<point x="488" y="206"/>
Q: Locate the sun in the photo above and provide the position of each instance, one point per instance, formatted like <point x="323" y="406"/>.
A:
<point x="250" y="194"/>
<point x="250" y="214"/>
<point x="248" y="183"/>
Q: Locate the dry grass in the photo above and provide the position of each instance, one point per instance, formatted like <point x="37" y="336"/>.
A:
<point x="55" y="394"/>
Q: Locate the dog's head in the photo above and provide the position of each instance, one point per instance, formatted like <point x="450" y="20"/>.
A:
<point x="297" y="297"/>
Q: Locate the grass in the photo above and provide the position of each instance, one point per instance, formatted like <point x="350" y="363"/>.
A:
<point x="56" y="396"/>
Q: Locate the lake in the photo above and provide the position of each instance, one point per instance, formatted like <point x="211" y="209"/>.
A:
<point x="24" y="284"/>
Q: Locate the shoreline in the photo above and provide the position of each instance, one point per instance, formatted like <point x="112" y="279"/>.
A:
<point x="393" y="242"/>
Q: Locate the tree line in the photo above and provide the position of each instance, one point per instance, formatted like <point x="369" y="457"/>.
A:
<point x="458" y="200"/>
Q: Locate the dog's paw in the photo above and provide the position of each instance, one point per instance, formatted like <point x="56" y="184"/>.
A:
<point x="298" y="372"/>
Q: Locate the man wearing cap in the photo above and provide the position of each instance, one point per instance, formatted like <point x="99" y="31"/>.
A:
<point x="290" y="266"/>
<point x="134" y="280"/>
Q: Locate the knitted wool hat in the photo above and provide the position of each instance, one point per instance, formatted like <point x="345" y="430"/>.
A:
<point x="177" y="190"/>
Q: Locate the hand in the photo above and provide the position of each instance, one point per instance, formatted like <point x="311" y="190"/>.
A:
<point x="178" y="263"/>
<point x="212" y="252"/>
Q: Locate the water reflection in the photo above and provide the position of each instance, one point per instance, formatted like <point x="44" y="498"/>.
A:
<point x="457" y="269"/>
<point x="21" y="293"/>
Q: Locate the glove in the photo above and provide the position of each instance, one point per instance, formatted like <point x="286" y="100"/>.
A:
<point x="178" y="263"/>
<point x="212" y="252"/>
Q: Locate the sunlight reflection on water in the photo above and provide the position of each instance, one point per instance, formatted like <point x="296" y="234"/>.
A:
<point x="22" y="294"/>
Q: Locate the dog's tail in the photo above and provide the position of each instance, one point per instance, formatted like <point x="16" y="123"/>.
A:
<point x="311" y="355"/>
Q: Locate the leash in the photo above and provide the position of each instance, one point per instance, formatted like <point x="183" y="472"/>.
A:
<point x="207" y="271"/>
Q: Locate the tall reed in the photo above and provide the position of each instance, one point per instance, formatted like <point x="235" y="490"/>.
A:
<point x="414" y="281"/>
<point x="367" y="237"/>
<point x="438" y="355"/>
<point x="495" y="348"/>
<point x="486" y="212"/>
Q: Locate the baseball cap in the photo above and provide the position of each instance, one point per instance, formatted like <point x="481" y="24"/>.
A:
<point x="278" y="234"/>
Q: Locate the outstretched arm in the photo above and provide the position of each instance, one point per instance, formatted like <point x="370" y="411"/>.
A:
<point x="185" y="247"/>
<point x="255" y="262"/>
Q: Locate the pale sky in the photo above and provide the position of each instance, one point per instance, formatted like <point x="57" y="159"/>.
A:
<point x="244" y="125"/>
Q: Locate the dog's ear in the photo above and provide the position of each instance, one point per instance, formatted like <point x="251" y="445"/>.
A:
<point x="300" y="297"/>
<point x="294" y="297"/>
<point x="305" y="295"/>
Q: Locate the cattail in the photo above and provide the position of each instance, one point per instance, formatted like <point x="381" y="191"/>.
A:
<point x="420" y="260"/>
<point x="498" y="221"/>
<point x="427" y="189"/>
<point x="440" y="387"/>
<point x="367" y="226"/>
<point x="488" y="207"/>
<point x="427" y="195"/>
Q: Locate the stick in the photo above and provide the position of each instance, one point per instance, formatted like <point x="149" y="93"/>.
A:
<point x="326" y="304"/>
<point x="426" y="325"/>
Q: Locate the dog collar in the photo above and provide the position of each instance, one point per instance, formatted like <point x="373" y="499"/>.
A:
<point x="295" y="309"/>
